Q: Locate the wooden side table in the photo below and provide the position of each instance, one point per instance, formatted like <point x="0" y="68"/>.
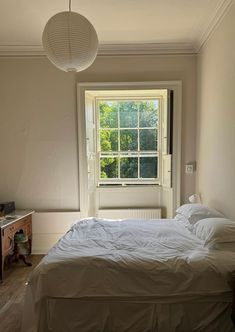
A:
<point x="19" y="221"/>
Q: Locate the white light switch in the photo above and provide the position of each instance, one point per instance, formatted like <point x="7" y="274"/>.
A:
<point x="189" y="169"/>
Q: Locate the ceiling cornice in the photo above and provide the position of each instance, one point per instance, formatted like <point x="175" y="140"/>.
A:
<point x="221" y="10"/>
<point x="21" y="51"/>
<point x="173" y="48"/>
<point x="145" y="49"/>
<point x="105" y="49"/>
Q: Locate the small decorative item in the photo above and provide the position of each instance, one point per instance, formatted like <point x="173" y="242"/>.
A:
<point x="195" y="198"/>
<point x="21" y="247"/>
<point x="70" y="41"/>
<point x="20" y="237"/>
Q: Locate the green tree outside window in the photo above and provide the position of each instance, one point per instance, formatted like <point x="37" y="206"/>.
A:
<point x="128" y="133"/>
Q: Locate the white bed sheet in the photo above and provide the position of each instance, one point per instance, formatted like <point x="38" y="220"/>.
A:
<point x="137" y="260"/>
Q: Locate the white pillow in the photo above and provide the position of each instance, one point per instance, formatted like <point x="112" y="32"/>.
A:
<point x="196" y="211"/>
<point x="184" y="221"/>
<point x="214" y="231"/>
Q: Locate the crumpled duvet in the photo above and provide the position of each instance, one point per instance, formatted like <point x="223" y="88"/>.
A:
<point x="130" y="259"/>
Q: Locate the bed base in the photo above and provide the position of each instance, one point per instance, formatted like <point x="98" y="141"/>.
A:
<point x="76" y="315"/>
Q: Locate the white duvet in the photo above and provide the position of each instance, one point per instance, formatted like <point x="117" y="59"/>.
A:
<point x="130" y="259"/>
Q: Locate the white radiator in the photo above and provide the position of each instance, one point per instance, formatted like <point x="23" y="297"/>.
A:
<point x="130" y="213"/>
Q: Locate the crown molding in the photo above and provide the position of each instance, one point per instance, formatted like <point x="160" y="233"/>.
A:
<point x="172" y="48"/>
<point x="145" y="49"/>
<point x="105" y="49"/>
<point x="21" y="51"/>
<point x="219" y="13"/>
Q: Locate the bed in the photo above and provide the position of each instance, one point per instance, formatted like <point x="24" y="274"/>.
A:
<point x="130" y="275"/>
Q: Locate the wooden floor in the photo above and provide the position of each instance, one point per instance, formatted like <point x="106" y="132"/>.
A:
<point x="12" y="291"/>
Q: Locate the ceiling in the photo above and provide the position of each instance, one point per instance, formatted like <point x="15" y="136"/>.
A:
<point x="154" y="26"/>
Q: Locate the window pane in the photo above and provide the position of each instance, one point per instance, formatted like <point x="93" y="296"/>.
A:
<point x="108" y="140"/>
<point x="129" y="167"/>
<point x="108" y="168"/>
<point x="148" y="113"/>
<point x="128" y="140"/>
<point x="108" y="114"/>
<point x="148" y="139"/>
<point x="128" y="114"/>
<point x="148" y="167"/>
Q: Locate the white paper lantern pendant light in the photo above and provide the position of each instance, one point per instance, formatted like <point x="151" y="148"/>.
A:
<point x="70" y="41"/>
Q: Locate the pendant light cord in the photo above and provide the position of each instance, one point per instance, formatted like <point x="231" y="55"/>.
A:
<point x="70" y="5"/>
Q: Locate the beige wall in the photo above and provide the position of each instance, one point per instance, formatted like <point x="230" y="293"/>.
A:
<point x="38" y="135"/>
<point x="216" y="118"/>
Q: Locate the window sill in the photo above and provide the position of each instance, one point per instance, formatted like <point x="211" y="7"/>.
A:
<point x="123" y="187"/>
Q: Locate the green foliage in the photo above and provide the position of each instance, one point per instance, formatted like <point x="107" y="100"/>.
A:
<point x="128" y="114"/>
<point x="148" y="113"/>
<point x="148" y="139"/>
<point x="108" y="140"/>
<point x="148" y="167"/>
<point x="129" y="168"/>
<point x="129" y="140"/>
<point x="108" y="114"/>
<point x="128" y="111"/>
<point x="109" y="168"/>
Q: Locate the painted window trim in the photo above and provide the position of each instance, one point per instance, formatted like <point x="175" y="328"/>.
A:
<point x="82" y="87"/>
<point x="157" y="153"/>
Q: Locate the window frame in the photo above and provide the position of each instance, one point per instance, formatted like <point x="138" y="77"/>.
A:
<point x="157" y="153"/>
<point x="85" y="187"/>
